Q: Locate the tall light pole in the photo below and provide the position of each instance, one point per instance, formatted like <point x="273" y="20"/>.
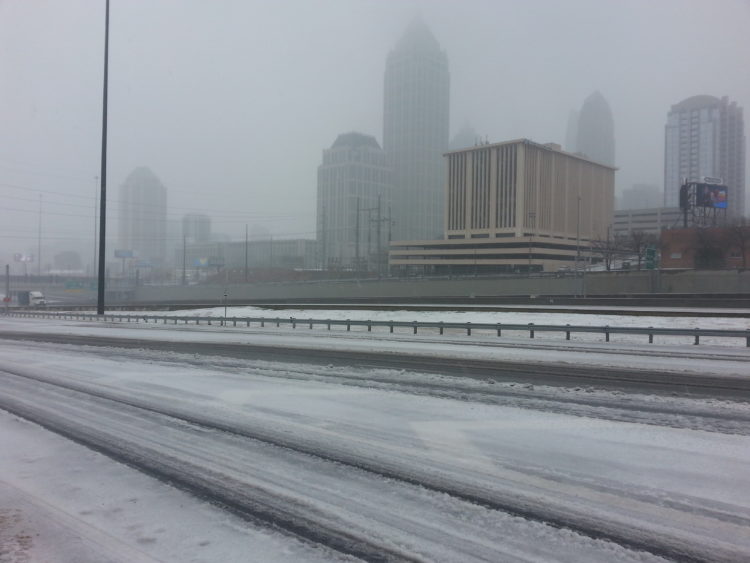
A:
<point x="103" y="175"/>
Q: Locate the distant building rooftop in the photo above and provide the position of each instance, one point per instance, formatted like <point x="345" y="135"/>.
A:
<point x="554" y="147"/>
<point x="355" y="140"/>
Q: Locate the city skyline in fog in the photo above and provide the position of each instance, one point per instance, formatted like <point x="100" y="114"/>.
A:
<point x="231" y="104"/>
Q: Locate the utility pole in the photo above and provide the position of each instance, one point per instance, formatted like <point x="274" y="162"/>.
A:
<point x="390" y="224"/>
<point x="356" y="239"/>
<point x="39" y="243"/>
<point x="324" y="236"/>
<point x="578" y="240"/>
<point x="7" y="288"/>
<point x="369" y="235"/>
<point x="184" y="260"/>
<point x="245" y="252"/>
<point x="380" y="246"/>
<point x="103" y="197"/>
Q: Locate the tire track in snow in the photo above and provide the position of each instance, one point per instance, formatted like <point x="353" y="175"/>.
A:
<point x="625" y="532"/>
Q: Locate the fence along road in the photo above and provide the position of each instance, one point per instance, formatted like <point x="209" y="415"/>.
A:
<point x="414" y="326"/>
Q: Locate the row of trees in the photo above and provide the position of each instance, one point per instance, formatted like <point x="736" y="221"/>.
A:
<point x="621" y="247"/>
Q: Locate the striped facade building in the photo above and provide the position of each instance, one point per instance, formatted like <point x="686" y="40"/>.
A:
<point x="515" y="206"/>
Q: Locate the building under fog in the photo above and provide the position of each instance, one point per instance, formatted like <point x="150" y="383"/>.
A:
<point x="196" y="227"/>
<point x="595" y="133"/>
<point x="207" y="258"/>
<point x="416" y="130"/>
<point x="640" y="196"/>
<point x="515" y="206"/>
<point x="353" y="204"/>
<point x="465" y="138"/>
<point x="705" y="136"/>
<point x="142" y="218"/>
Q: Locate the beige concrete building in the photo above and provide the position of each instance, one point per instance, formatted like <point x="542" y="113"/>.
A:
<point x="515" y="206"/>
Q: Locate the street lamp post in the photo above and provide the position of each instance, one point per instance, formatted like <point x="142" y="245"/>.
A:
<point x="103" y="175"/>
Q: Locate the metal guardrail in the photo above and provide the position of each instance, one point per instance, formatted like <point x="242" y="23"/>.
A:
<point x="414" y="326"/>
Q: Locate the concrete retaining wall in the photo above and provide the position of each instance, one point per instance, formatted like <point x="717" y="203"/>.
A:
<point x="600" y="283"/>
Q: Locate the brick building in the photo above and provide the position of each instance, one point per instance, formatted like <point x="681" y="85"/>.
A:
<point x="711" y="248"/>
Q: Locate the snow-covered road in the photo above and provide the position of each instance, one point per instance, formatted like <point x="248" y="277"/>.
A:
<point x="365" y="462"/>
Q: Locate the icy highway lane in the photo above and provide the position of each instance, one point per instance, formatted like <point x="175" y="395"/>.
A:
<point x="239" y="459"/>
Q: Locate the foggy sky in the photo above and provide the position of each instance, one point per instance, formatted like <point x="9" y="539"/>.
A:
<point x="230" y="103"/>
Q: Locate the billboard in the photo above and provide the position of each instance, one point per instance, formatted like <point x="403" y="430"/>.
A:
<point x="711" y="195"/>
<point x="19" y="257"/>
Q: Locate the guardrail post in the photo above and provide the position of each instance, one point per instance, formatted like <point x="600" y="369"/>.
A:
<point x="348" y="325"/>
<point x="328" y="323"/>
<point x="747" y="339"/>
<point x="650" y="336"/>
<point x="531" y="330"/>
<point x="415" y="327"/>
<point x="499" y="330"/>
<point x="262" y="322"/>
<point x="165" y="320"/>
<point x="197" y="321"/>
<point x="369" y="326"/>
<point x="441" y="328"/>
<point x="311" y="323"/>
<point x="248" y="322"/>
<point x="293" y="321"/>
<point x="606" y="333"/>
<point x="277" y="322"/>
<point x="567" y="332"/>
<point x="391" y="328"/>
<point x="234" y="320"/>
<point x="697" y="339"/>
<point x="468" y="329"/>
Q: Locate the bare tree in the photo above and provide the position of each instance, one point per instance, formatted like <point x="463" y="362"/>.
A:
<point x="608" y="249"/>
<point x="709" y="248"/>
<point x="738" y="237"/>
<point x="638" y="241"/>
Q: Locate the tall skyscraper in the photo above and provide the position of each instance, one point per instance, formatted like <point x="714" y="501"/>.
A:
<point x="705" y="136"/>
<point x="415" y="132"/>
<point x="143" y="216"/>
<point x="354" y="203"/>
<point x="595" y="135"/>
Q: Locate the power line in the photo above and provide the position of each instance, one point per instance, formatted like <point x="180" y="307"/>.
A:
<point x="175" y="209"/>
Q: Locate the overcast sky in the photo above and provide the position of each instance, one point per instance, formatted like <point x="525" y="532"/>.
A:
<point x="231" y="103"/>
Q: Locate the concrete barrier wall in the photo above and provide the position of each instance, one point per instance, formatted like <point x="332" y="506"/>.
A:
<point x="599" y="283"/>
